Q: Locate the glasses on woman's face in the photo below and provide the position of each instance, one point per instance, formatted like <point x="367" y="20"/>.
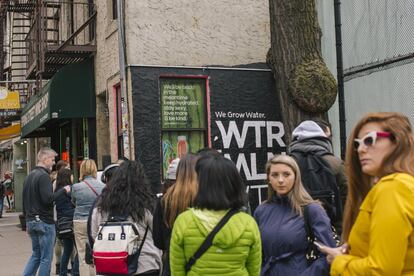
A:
<point x="370" y="139"/>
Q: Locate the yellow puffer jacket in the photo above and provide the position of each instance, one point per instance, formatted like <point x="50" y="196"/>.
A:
<point x="382" y="238"/>
<point x="236" y="248"/>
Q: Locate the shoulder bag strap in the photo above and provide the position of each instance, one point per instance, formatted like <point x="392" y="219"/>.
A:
<point x="143" y="240"/>
<point x="308" y="226"/>
<point x="311" y="251"/>
<point x="209" y="239"/>
<point x="89" y="185"/>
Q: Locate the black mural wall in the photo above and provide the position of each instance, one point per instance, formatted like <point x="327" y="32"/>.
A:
<point x="245" y="120"/>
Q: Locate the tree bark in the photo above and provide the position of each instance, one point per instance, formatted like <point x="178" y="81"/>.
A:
<point x="305" y="87"/>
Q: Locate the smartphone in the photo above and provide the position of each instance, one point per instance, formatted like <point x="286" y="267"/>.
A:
<point x="319" y="245"/>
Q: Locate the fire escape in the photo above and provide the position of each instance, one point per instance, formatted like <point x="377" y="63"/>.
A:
<point x="20" y="24"/>
<point x="45" y="36"/>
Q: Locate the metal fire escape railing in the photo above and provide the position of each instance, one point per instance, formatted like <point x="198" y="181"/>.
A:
<point x="60" y="33"/>
<point x="46" y="35"/>
<point x="20" y="15"/>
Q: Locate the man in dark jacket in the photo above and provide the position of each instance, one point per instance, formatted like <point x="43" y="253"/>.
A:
<point x="337" y="165"/>
<point x="38" y="208"/>
<point x="310" y="138"/>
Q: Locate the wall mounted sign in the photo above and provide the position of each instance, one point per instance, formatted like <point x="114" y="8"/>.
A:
<point x="182" y="116"/>
<point x="239" y="115"/>
<point x="182" y="103"/>
<point x="9" y="99"/>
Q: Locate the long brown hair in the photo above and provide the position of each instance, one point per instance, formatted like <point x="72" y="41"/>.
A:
<point x="298" y="196"/>
<point x="399" y="160"/>
<point x="182" y="194"/>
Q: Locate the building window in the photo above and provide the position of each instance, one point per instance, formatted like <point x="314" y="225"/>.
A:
<point x="114" y="10"/>
<point x="183" y="117"/>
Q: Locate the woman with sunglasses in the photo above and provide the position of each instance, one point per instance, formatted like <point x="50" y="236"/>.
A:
<point x="379" y="212"/>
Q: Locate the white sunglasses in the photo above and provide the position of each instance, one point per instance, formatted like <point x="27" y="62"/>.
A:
<point x="371" y="138"/>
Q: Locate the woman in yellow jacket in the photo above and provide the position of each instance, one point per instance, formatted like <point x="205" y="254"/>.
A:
<point x="379" y="213"/>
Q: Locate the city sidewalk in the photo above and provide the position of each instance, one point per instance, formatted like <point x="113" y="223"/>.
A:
<point x="15" y="245"/>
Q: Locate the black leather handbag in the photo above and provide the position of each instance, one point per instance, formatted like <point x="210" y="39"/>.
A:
<point x="88" y="254"/>
<point x="64" y="226"/>
<point x="312" y="251"/>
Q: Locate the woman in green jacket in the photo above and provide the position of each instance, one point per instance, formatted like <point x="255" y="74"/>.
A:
<point x="236" y="248"/>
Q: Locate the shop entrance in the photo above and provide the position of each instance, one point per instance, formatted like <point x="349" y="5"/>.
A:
<point x="73" y="143"/>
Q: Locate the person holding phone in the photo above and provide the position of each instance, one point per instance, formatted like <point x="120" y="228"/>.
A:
<point x="379" y="212"/>
<point x="282" y="224"/>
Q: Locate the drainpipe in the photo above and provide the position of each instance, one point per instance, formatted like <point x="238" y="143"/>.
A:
<point x="340" y="76"/>
<point x="122" y="79"/>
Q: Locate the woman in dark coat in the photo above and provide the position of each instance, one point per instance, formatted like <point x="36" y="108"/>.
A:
<point x="282" y="225"/>
<point x="65" y="210"/>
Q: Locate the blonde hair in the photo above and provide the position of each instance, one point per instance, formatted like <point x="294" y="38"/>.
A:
<point x="298" y="196"/>
<point x="88" y="168"/>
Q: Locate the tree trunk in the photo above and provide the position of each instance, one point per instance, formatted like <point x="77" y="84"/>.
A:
<point x="305" y="86"/>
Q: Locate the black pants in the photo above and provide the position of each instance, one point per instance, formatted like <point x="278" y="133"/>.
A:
<point x="150" y="273"/>
<point x="8" y="202"/>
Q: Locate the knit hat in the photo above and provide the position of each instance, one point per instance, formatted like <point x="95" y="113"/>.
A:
<point x="172" y="169"/>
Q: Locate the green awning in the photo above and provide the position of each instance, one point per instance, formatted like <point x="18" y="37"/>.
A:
<point x="69" y="94"/>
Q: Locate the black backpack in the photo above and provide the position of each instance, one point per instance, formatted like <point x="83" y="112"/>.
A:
<point x="320" y="182"/>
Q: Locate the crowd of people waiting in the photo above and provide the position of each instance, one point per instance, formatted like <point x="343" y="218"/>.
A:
<point x="202" y="224"/>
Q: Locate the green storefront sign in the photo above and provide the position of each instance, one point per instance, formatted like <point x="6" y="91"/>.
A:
<point x="69" y="94"/>
<point x="36" y="112"/>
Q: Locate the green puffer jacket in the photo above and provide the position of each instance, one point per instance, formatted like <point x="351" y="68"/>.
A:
<point x="236" y="249"/>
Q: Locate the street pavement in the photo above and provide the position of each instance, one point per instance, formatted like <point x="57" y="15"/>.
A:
<point x="15" y="246"/>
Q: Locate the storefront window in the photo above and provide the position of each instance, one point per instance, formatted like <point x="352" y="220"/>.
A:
<point x="65" y="142"/>
<point x="85" y="138"/>
<point x="74" y="146"/>
<point x="183" y="117"/>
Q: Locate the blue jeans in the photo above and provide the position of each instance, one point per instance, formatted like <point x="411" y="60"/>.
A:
<point x="68" y="245"/>
<point x="43" y="238"/>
